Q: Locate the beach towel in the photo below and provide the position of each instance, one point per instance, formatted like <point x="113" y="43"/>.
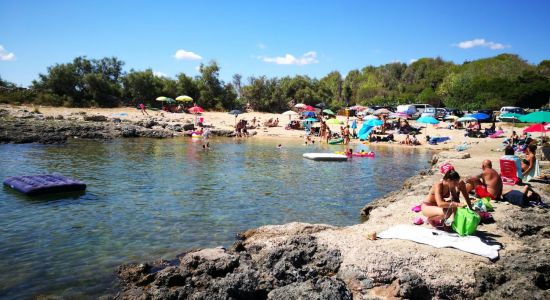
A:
<point x="435" y="140"/>
<point x="497" y="134"/>
<point x="534" y="173"/>
<point x="441" y="239"/>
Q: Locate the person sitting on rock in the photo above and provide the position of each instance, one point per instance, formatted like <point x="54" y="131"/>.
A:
<point x="435" y="206"/>
<point x="489" y="179"/>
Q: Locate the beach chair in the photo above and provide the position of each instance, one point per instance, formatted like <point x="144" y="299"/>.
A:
<point x="508" y="172"/>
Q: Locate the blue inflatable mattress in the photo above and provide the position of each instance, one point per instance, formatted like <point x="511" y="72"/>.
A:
<point x="44" y="184"/>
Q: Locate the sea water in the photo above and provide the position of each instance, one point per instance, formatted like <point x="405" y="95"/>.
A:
<point x="149" y="198"/>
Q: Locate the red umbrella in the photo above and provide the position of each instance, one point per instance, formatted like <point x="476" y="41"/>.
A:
<point x="536" y="128"/>
<point x="196" y="110"/>
<point x="309" y="108"/>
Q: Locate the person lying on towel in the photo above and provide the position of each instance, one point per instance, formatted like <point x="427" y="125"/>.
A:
<point x="444" y="198"/>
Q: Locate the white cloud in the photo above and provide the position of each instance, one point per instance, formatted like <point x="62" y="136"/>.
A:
<point x="481" y="43"/>
<point x="5" y="55"/>
<point x="261" y="46"/>
<point x="159" y="74"/>
<point x="182" y="54"/>
<point x="306" y="59"/>
<point x="412" y="60"/>
<point x="198" y="68"/>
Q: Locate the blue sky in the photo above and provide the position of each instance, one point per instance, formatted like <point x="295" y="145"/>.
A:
<point x="273" y="38"/>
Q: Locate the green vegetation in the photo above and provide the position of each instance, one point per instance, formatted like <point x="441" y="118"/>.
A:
<point x="503" y="80"/>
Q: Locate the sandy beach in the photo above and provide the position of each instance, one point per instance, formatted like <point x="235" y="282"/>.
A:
<point x="225" y="121"/>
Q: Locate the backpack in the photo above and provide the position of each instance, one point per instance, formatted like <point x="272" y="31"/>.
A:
<point x="465" y="221"/>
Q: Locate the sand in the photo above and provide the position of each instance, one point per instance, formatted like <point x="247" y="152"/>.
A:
<point x="223" y="120"/>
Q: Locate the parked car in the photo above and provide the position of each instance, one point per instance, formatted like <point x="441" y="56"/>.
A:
<point x="440" y="113"/>
<point x="428" y="112"/>
<point x="507" y="110"/>
<point x="455" y="112"/>
<point x="408" y="109"/>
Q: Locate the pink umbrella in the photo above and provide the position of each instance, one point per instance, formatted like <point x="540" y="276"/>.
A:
<point x="309" y="108"/>
<point x="196" y="110"/>
<point x="536" y="128"/>
<point x="358" y="107"/>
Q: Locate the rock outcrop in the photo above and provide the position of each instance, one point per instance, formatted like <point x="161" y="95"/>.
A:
<point x="315" y="261"/>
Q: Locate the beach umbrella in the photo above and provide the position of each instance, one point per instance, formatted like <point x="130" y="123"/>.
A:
<point x="235" y="112"/>
<point x="320" y="105"/>
<point x="479" y="116"/>
<point x="536" y="117"/>
<point x="466" y="119"/>
<point x="334" y="121"/>
<point x="427" y="120"/>
<point x="184" y="98"/>
<point x="196" y="110"/>
<point x="375" y="122"/>
<point x="165" y="99"/>
<point x="310" y="120"/>
<point x="537" y="128"/>
<point x="371" y="117"/>
<point x="510" y="117"/>
<point x="328" y="112"/>
<point x="309" y="108"/>
<point x="381" y="111"/>
<point x="308" y="114"/>
<point x="290" y="113"/>
<point x="300" y="105"/>
<point x="358" y="107"/>
<point x="451" y="117"/>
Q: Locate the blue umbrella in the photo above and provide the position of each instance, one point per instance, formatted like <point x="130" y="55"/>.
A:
<point x="479" y="116"/>
<point x="309" y="114"/>
<point x="374" y="122"/>
<point x="427" y="120"/>
<point x="235" y="112"/>
<point x="466" y="119"/>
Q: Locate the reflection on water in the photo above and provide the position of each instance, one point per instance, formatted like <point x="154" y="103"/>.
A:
<point x="150" y="198"/>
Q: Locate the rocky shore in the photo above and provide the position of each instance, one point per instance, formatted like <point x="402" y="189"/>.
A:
<point x="23" y="126"/>
<point x="317" y="261"/>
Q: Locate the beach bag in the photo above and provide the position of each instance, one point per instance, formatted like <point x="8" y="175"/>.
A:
<point x="465" y="221"/>
<point x="487" y="202"/>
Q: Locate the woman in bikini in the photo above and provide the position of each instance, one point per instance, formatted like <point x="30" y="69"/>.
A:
<point x="436" y="207"/>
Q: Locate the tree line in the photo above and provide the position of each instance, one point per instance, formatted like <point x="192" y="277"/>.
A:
<point x="503" y="80"/>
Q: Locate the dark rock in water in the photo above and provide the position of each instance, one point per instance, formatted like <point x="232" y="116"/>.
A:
<point x="299" y="268"/>
<point x="188" y="126"/>
<point x="95" y="118"/>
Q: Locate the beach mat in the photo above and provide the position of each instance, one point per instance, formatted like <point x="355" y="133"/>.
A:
<point x="441" y="239"/>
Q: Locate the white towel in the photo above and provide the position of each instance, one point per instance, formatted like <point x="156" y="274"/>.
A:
<point x="441" y="239"/>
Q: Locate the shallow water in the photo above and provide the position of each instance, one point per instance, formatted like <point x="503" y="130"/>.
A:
<point x="149" y="198"/>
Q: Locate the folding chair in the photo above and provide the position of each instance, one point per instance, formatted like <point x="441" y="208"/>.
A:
<point x="508" y="172"/>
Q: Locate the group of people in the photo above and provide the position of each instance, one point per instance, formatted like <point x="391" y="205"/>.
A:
<point x="443" y="198"/>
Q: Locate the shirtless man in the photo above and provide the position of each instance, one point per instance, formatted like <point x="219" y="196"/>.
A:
<point x="488" y="178"/>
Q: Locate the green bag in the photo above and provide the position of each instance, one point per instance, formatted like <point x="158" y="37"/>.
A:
<point x="487" y="202"/>
<point x="465" y="221"/>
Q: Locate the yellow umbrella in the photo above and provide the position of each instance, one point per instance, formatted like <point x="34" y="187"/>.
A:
<point x="184" y="98"/>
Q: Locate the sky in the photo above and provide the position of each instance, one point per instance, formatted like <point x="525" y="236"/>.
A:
<point x="272" y="38"/>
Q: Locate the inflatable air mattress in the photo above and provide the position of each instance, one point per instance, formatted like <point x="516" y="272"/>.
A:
<point x="336" y="141"/>
<point x="325" y="156"/>
<point x="44" y="184"/>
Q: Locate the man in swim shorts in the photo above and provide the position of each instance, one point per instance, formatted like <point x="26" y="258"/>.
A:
<point x="489" y="179"/>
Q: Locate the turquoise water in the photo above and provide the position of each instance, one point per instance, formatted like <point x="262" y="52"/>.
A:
<point x="149" y="199"/>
